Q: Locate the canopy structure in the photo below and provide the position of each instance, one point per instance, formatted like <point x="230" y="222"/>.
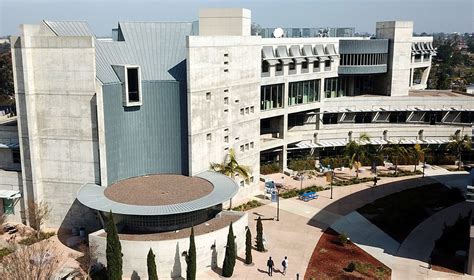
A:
<point x="224" y="188"/>
<point x="319" y="51"/>
<point x="331" y="51"/>
<point x="308" y="53"/>
<point x="341" y="143"/>
<point x="282" y="54"/>
<point x="9" y="194"/>
<point x="268" y="56"/>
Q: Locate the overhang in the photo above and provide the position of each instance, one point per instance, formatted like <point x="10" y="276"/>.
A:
<point x="92" y="196"/>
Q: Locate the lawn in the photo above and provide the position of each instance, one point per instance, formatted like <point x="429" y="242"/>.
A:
<point x="399" y="213"/>
<point x="331" y="259"/>
<point x="454" y="238"/>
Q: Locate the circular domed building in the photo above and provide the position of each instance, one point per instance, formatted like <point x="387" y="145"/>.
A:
<point x="158" y="211"/>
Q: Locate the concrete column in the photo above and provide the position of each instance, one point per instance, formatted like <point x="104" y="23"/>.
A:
<point x="424" y="76"/>
<point x="284" y="157"/>
<point x="470" y="260"/>
<point x="411" y="76"/>
<point x="322" y="96"/>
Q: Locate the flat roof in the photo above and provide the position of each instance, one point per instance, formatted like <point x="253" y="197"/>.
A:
<point x="160" y="189"/>
<point x="438" y="93"/>
<point x="223" y="189"/>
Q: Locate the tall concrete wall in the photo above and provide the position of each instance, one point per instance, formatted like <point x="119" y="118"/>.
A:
<point x="399" y="34"/>
<point x="55" y="93"/>
<point x="230" y="21"/>
<point x="170" y="263"/>
<point x="224" y="68"/>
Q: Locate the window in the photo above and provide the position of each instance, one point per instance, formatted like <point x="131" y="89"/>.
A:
<point x="226" y="100"/>
<point x="208" y="96"/>
<point x="8" y="206"/>
<point x="236" y="101"/>
<point x="316" y="64"/>
<point x="242" y="111"/>
<point x="242" y="183"/>
<point x="226" y="129"/>
<point x="133" y="85"/>
<point x="252" y="109"/>
<point x="226" y="90"/>
<point x="226" y="70"/>
<point x="327" y="64"/>
<point x="335" y="87"/>
<point x="304" y="65"/>
<point x="237" y="138"/>
<point x="226" y="62"/>
<point x="208" y="137"/>
<point x="251" y="179"/>
<point x="226" y="55"/>
<point x="242" y="148"/>
<point x="265" y="67"/>
<point x="226" y="139"/>
<point x="226" y="110"/>
<point x="279" y="67"/>
<point x="251" y="145"/>
<point x="292" y="66"/>
<point x="303" y="92"/>
<point x="247" y="110"/>
<point x="16" y="156"/>
<point x="247" y="147"/>
<point x="330" y="118"/>
<point x="271" y="96"/>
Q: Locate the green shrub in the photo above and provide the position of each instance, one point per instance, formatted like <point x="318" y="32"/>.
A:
<point x="5" y="251"/>
<point x="351" y="267"/>
<point x="302" y="164"/>
<point x="32" y="239"/>
<point x="295" y="192"/>
<point x="343" y="239"/>
<point x="249" y="205"/>
<point x="271" y="168"/>
<point x="352" y="181"/>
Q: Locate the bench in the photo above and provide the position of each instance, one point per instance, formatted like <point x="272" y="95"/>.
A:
<point x="307" y="196"/>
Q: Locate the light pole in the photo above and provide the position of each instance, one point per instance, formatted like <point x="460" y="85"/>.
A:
<point x="301" y="181"/>
<point x="424" y="166"/>
<point x="332" y="175"/>
<point x="278" y="204"/>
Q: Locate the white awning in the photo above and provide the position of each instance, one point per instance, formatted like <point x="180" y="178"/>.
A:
<point x="331" y="51"/>
<point x="319" y="51"/>
<point x="308" y="53"/>
<point x="296" y="54"/>
<point x="282" y="54"/>
<point x="267" y="54"/>
<point x="413" y="49"/>
<point x="9" y="194"/>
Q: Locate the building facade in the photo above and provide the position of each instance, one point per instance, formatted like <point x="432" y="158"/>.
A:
<point x="174" y="97"/>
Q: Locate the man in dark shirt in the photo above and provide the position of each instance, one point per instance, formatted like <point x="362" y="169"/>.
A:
<point x="270" y="265"/>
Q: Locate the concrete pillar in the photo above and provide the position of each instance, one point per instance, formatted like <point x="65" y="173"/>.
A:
<point x="470" y="260"/>
<point x="322" y="96"/>
<point x="284" y="157"/>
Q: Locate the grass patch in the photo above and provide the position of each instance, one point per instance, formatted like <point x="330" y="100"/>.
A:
<point x="5" y="252"/>
<point x="249" y="205"/>
<point x="295" y="192"/>
<point x="400" y="173"/>
<point x="399" y="213"/>
<point x="32" y="239"/>
<point x="352" y="181"/>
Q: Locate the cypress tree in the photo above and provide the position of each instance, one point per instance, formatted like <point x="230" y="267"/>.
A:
<point x="260" y="246"/>
<point x="151" y="265"/>
<point x="191" y="258"/>
<point x="113" y="251"/>
<point x="248" y="247"/>
<point x="230" y="254"/>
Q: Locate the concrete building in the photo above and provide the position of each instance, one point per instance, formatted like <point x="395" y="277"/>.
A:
<point x="172" y="97"/>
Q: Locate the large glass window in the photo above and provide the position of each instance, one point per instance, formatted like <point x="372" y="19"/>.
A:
<point x="8" y="206"/>
<point x="271" y="97"/>
<point x="330" y="118"/>
<point x="303" y="92"/>
<point x="132" y="83"/>
<point x="335" y="87"/>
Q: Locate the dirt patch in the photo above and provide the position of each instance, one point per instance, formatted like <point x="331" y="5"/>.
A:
<point x="330" y="259"/>
<point x="162" y="189"/>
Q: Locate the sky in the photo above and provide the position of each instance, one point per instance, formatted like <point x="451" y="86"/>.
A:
<point x="102" y="15"/>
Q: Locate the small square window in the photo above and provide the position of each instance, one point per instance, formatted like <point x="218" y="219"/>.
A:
<point x="226" y="55"/>
<point x="226" y="110"/>
<point x="226" y="100"/>
<point x="208" y="96"/>
<point x="242" y="183"/>
<point x="316" y="64"/>
<point x="246" y="147"/>
<point x="208" y="137"/>
<point x="327" y="63"/>
<point x="226" y="70"/>
<point x="226" y="90"/>
<point x="236" y="101"/>
<point x="251" y="145"/>
<point x="226" y="129"/>
<point x="242" y="148"/>
<point x="226" y="148"/>
<point x="304" y="65"/>
<point x="237" y="138"/>
<point x="292" y="66"/>
<point x="226" y="62"/>
<point x="226" y="139"/>
<point x="247" y="110"/>
<point x="251" y="179"/>
<point x="8" y="206"/>
<point x="252" y="109"/>
<point x="242" y="111"/>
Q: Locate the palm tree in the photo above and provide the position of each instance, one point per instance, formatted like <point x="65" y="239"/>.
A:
<point x="459" y="144"/>
<point x="396" y="151"/>
<point x="418" y="154"/>
<point x="230" y="167"/>
<point x="356" y="151"/>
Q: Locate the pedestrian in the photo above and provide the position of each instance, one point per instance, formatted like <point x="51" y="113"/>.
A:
<point x="284" y="263"/>
<point x="375" y="181"/>
<point x="270" y="265"/>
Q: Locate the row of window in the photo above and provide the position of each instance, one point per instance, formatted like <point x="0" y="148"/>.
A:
<point x="292" y="66"/>
<point x="271" y="96"/>
<point x="363" y="59"/>
<point x="247" y="146"/>
<point x="247" y="110"/>
<point x="248" y="181"/>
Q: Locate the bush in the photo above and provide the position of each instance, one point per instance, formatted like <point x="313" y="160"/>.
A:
<point x="295" y="192"/>
<point x="249" y="205"/>
<point x="352" y="181"/>
<point x="32" y="239"/>
<point x="401" y="173"/>
<point x="270" y="168"/>
<point x="302" y="164"/>
<point x="351" y="267"/>
<point x="335" y="162"/>
<point x="4" y="252"/>
<point x="342" y="239"/>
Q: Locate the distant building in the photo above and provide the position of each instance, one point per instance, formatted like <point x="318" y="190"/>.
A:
<point x="309" y="32"/>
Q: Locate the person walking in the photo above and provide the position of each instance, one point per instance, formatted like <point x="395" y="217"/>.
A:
<point x="375" y="181"/>
<point x="270" y="265"/>
<point x="284" y="263"/>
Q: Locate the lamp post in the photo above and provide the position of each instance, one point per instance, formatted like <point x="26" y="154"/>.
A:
<point x="424" y="166"/>
<point x="301" y="181"/>
<point x="278" y="204"/>
<point x="332" y="175"/>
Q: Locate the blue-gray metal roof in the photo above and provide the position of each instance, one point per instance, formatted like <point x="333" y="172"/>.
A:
<point x="363" y="46"/>
<point x="159" y="48"/>
<point x="92" y="196"/>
